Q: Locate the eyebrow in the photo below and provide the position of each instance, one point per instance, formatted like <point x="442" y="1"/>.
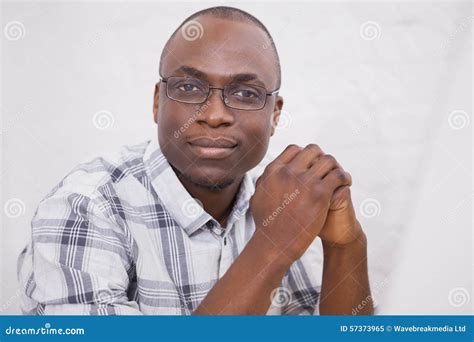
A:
<point x="242" y="77"/>
<point x="191" y="72"/>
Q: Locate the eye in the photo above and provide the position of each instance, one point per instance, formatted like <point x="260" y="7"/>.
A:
<point x="188" y="87"/>
<point x="245" y="93"/>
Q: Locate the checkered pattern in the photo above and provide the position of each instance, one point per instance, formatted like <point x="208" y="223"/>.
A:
<point x="121" y="235"/>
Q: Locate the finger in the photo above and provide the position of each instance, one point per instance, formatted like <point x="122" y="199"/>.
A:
<point x="322" y="166"/>
<point x="282" y="159"/>
<point x="336" y="178"/>
<point x="339" y="197"/>
<point x="288" y="154"/>
<point x="307" y="156"/>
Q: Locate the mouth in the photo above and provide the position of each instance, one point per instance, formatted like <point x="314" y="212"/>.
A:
<point x="212" y="148"/>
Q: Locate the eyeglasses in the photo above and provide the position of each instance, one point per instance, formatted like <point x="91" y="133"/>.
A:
<point x="234" y="95"/>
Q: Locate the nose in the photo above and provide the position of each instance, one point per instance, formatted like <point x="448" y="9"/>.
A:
<point x="216" y="113"/>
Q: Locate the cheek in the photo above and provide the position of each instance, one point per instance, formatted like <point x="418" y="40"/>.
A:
<point x="257" y="134"/>
<point x="172" y="120"/>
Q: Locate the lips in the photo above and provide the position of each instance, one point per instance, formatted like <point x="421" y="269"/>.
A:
<point x="223" y="142"/>
<point x="212" y="148"/>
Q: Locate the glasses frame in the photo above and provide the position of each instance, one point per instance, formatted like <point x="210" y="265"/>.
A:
<point x="267" y="93"/>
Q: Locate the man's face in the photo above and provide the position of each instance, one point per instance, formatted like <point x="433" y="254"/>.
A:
<point x="212" y="144"/>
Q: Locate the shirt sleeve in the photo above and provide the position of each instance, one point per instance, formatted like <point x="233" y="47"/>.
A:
<point x="300" y="288"/>
<point x="78" y="261"/>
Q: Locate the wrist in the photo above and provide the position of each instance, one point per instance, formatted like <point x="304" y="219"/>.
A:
<point x="267" y="252"/>
<point x="358" y="240"/>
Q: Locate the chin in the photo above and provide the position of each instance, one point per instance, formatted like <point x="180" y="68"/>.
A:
<point x="212" y="180"/>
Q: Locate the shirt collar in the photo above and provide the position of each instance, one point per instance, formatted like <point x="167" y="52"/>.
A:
<point x="183" y="208"/>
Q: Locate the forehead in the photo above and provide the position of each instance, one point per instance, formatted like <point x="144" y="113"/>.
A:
<point x="221" y="48"/>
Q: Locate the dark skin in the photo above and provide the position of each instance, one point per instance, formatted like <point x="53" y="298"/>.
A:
<point x="322" y="208"/>
<point x="252" y="130"/>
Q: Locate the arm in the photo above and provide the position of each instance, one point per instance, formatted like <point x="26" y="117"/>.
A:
<point x="246" y="288"/>
<point x="290" y="206"/>
<point x="345" y="286"/>
<point x="77" y="262"/>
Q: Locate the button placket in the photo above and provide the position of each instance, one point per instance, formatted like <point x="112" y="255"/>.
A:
<point x="215" y="231"/>
<point x="226" y="253"/>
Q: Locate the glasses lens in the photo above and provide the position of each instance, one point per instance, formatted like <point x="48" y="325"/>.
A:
<point x="245" y="96"/>
<point x="186" y="89"/>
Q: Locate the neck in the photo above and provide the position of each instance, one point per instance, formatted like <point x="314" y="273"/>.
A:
<point x="217" y="202"/>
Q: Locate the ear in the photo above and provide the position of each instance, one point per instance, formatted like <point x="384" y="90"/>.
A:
<point x="155" y="102"/>
<point x="276" y="113"/>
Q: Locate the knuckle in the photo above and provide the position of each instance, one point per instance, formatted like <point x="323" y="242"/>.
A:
<point x="340" y="174"/>
<point x="293" y="147"/>
<point x="330" y="158"/>
<point x="285" y="171"/>
<point x="348" y="176"/>
<point x="312" y="147"/>
<point x="270" y="168"/>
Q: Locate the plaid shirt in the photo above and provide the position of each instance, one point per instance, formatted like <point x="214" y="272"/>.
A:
<point x="121" y="235"/>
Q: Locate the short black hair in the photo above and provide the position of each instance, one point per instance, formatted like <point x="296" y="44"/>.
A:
<point x="233" y="14"/>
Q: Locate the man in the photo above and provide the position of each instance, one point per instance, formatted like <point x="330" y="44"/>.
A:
<point x="178" y="225"/>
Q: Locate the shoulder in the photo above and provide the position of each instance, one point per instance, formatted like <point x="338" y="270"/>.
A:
<point x="87" y="177"/>
<point x="90" y="183"/>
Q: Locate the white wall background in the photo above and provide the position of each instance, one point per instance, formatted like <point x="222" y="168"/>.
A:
<point x="393" y="103"/>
